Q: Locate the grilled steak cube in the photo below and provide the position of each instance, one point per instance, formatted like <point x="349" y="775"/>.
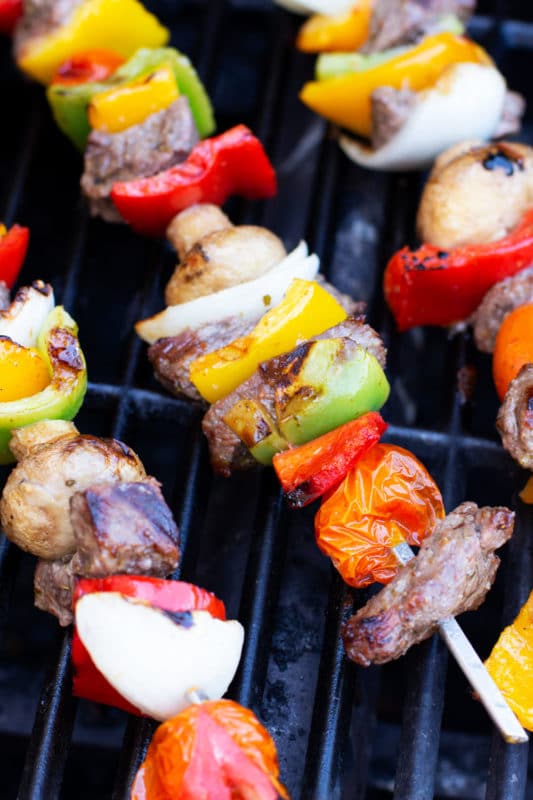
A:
<point x="515" y="418"/>
<point x="124" y="528"/>
<point x="396" y="22"/>
<point x="161" y="141"/>
<point x="53" y="584"/>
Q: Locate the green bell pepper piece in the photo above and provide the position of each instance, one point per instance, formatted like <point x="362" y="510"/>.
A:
<point x="70" y="104"/>
<point x="317" y="387"/>
<point x="58" y="345"/>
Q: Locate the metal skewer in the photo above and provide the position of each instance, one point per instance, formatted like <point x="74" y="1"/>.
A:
<point x="474" y="669"/>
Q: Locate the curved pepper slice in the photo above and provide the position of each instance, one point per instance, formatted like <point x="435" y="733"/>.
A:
<point x="429" y="286"/>
<point x="215" y="750"/>
<point x="313" y="469"/>
<point x="342" y="32"/>
<point x="10" y="13"/>
<point x="388" y="498"/>
<point x="58" y="346"/>
<point x="232" y="163"/>
<point x="306" y="310"/>
<point x="70" y="104"/>
<point x="511" y="664"/>
<point x="120" y="25"/>
<point x="129" y="104"/>
<point x="23" y="372"/>
<point x="346" y="100"/>
<point x="172" y="596"/>
<point x="13" y="248"/>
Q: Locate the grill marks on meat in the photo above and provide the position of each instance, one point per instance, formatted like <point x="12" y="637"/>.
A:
<point x="515" y="418"/>
<point x="120" y="528"/>
<point x="124" y="528"/>
<point x="499" y="301"/>
<point x="226" y="449"/>
<point x="161" y="141"/>
<point x="41" y="18"/>
<point x="53" y="585"/>
<point x="390" y="111"/>
<point x="452" y="573"/>
<point x="172" y="357"/>
<point x="396" y="22"/>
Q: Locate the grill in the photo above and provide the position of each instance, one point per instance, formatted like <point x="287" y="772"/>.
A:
<point x="409" y="730"/>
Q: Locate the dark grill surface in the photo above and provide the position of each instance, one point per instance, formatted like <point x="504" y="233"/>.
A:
<point x="410" y="729"/>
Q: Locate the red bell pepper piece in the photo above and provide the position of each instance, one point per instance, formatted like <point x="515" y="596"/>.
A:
<point x="13" y="247"/>
<point x="232" y="163"/>
<point x="429" y="286"/>
<point x="176" y="596"/>
<point x="90" y="66"/>
<point x="309" y="471"/>
<point x="10" y="13"/>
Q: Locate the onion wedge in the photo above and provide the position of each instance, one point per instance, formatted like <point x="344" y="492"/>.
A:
<point x="326" y="7"/>
<point x="249" y="300"/>
<point x="25" y="317"/>
<point x="465" y="103"/>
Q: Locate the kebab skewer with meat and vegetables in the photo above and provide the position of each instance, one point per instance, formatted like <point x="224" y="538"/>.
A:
<point x="476" y="222"/>
<point x="415" y="86"/>
<point x="137" y="110"/>
<point x="311" y="410"/>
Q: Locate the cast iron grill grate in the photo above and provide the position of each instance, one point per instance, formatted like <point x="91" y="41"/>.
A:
<point x="341" y="732"/>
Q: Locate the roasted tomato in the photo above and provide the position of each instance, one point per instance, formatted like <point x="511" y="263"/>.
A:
<point x="389" y="497"/>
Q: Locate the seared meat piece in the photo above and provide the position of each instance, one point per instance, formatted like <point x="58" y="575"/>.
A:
<point x="41" y="18"/>
<point x="397" y="22"/>
<point x="53" y="584"/>
<point x="390" y="111"/>
<point x="499" y="301"/>
<point x="515" y="418"/>
<point x="514" y="107"/>
<point x="227" y="451"/>
<point x="162" y="140"/>
<point x="452" y="573"/>
<point x="172" y="357"/>
<point x="5" y="300"/>
<point x="123" y="528"/>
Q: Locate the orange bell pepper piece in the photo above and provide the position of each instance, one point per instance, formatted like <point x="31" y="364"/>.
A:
<point x="526" y="495"/>
<point x="346" y="100"/>
<point x="341" y="33"/>
<point x="511" y="664"/>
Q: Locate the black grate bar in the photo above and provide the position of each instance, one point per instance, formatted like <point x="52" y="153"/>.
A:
<point x="76" y="258"/>
<point x="424" y="702"/>
<point x="52" y="731"/>
<point x="333" y="701"/>
<point x="23" y="160"/>
<point x="260" y="593"/>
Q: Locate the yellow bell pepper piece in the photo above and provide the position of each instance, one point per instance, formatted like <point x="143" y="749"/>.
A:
<point x="23" y="372"/>
<point x="342" y="32"/>
<point x="306" y="310"/>
<point x="346" y="100"/>
<point x="129" y="104"/>
<point x="526" y="495"/>
<point x="119" y="25"/>
<point x="511" y="664"/>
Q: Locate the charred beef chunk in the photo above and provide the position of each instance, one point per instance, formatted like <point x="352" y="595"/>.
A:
<point x="226" y="449"/>
<point x="514" y="107"/>
<point x="452" y="573"/>
<point x="515" y="418"/>
<point x="390" y="111"/>
<point x="172" y="357"/>
<point x="123" y="528"/>
<point x="53" y="584"/>
<point x="41" y="18"/>
<point x="499" y="301"/>
<point x="4" y="296"/>
<point x="396" y="22"/>
<point x="161" y="141"/>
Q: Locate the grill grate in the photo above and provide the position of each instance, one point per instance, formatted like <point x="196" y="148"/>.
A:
<point x="240" y="541"/>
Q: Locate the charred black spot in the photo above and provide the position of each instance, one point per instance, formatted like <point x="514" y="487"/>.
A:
<point x="504" y="158"/>
<point x="300" y="496"/>
<point x="442" y="254"/>
<point x="64" y="350"/>
<point x="530" y="404"/>
<point x="183" y="618"/>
